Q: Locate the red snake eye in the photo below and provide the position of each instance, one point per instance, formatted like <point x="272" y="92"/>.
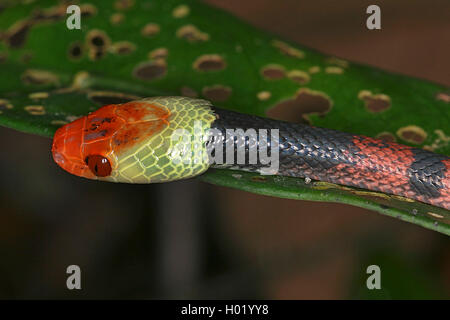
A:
<point x="99" y="165"/>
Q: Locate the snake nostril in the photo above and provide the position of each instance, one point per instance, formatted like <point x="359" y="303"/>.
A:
<point x="58" y="157"/>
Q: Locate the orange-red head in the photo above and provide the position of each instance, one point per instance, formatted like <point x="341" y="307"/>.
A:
<point x="136" y="142"/>
<point x="91" y="146"/>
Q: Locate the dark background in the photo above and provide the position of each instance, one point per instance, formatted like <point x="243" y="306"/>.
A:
<point x="193" y="240"/>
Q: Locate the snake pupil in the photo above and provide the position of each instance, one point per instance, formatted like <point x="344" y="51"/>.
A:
<point x="99" y="165"/>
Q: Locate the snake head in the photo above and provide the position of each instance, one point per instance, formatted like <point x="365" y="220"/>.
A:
<point x="130" y="142"/>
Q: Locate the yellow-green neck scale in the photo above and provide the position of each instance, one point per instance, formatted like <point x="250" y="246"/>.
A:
<point x="167" y="155"/>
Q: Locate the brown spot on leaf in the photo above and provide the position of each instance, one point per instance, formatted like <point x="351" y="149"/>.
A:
<point x="400" y="198"/>
<point x="258" y="178"/>
<point x="192" y="34"/>
<point x="209" y="62"/>
<point x="288" y="49"/>
<point x="441" y="141"/>
<point x="159" y="53"/>
<point x="35" y="110"/>
<point x="273" y="72"/>
<point x="116" y="19"/>
<point x="123" y="4"/>
<point x="75" y="51"/>
<point x="217" y="93"/>
<point x="322" y="185"/>
<point x="443" y="97"/>
<point x="151" y="70"/>
<point x="435" y="215"/>
<point x="264" y="95"/>
<point x="96" y="54"/>
<point x="180" y="11"/>
<point x="49" y="15"/>
<point x="337" y="62"/>
<point x="58" y="12"/>
<point x="87" y="10"/>
<point x="16" y="35"/>
<point x="38" y="95"/>
<point x="334" y="70"/>
<point x="375" y="103"/>
<point x="111" y="97"/>
<point x="59" y="123"/>
<point x="150" y="30"/>
<point x="80" y="80"/>
<point x="370" y="194"/>
<point x="299" y="76"/>
<point x="188" y="92"/>
<point x="5" y="105"/>
<point x="122" y="48"/>
<point x="386" y="136"/>
<point x="314" y="69"/>
<point x="34" y="76"/>
<point x="98" y="43"/>
<point x="305" y="103"/>
<point x="412" y="134"/>
<point x="98" y="39"/>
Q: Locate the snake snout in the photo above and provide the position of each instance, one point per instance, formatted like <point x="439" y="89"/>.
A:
<point x="66" y="149"/>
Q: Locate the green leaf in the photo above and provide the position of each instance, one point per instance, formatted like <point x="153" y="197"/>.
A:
<point x="130" y="49"/>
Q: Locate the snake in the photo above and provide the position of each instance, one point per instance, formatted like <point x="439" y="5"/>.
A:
<point x="162" y="139"/>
